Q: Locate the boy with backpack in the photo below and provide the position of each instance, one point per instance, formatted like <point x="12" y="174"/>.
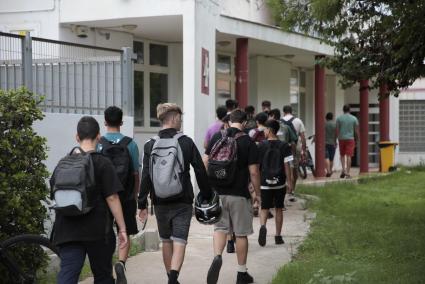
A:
<point x="124" y="155"/>
<point x="257" y="134"/>
<point x="232" y="160"/>
<point x="275" y="157"/>
<point x="85" y="188"/>
<point x="166" y="177"/>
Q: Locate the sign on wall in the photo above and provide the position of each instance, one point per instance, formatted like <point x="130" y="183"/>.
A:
<point x="205" y="89"/>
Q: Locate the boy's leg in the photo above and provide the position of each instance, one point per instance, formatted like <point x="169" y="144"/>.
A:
<point x="100" y="258"/>
<point x="72" y="261"/>
<point x="163" y="219"/>
<point x="129" y="209"/>
<point x="279" y="221"/>
<point x="167" y="254"/>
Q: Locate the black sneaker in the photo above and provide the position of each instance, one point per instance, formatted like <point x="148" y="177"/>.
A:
<point x="230" y="247"/>
<point x="342" y="175"/>
<point x="269" y="215"/>
<point x="278" y="240"/>
<point x="292" y="197"/>
<point x="262" y="236"/>
<point x="214" y="271"/>
<point x="120" y="272"/>
<point x="244" y="278"/>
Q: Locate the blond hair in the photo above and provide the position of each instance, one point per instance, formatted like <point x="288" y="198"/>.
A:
<point x="163" y="110"/>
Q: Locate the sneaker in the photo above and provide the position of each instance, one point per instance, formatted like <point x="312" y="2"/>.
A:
<point x="214" y="271"/>
<point x="120" y="272"/>
<point x="328" y="175"/>
<point x="262" y="236"/>
<point x="347" y="176"/>
<point x="244" y="278"/>
<point x="278" y="240"/>
<point x="292" y="197"/>
<point x="230" y="247"/>
<point x="342" y="175"/>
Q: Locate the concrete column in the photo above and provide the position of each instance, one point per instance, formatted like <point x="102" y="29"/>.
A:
<point x="384" y="113"/>
<point x="364" y="126"/>
<point x="242" y="71"/>
<point x="319" y="115"/>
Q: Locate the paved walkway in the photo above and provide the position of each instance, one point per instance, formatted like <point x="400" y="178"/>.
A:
<point x="263" y="262"/>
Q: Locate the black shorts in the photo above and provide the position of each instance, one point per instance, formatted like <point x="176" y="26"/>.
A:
<point x="173" y="221"/>
<point x="330" y="152"/>
<point x="272" y="198"/>
<point x="129" y="209"/>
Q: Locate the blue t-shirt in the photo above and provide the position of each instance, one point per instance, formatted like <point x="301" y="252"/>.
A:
<point x="132" y="147"/>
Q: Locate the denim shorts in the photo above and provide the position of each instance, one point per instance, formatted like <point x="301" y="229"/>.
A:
<point x="173" y="221"/>
<point x="330" y="152"/>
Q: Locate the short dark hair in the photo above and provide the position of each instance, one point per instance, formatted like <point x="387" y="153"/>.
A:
<point x="266" y="104"/>
<point x="238" y="116"/>
<point x="273" y="125"/>
<point x="221" y="112"/>
<point x="231" y="104"/>
<point x="87" y="128"/>
<point x="287" y="109"/>
<point x="250" y="110"/>
<point x="226" y="118"/>
<point x="113" y="116"/>
<point x="275" y="113"/>
<point x="346" y="108"/>
<point x="329" y="116"/>
<point x="261" y="118"/>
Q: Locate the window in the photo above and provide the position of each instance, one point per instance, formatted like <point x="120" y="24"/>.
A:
<point x="412" y="125"/>
<point x="150" y="82"/>
<point x="138" y="49"/>
<point x="294" y="92"/>
<point x="158" y="55"/>
<point x="158" y="94"/>
<point x="224" y="79"/>
<point x="139" y="104"/>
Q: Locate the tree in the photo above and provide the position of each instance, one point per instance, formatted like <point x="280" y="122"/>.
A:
<point x="22" y="172"/>
<point x="379" y="40"/>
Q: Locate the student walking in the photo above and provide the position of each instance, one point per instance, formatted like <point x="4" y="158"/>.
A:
<point x="229" y="177"/>
<point x="330" y="140"/>
<point x="347" y="131"/>
<point x="257" y="134"/>
<point x="231" y="105"/>
<point x="266" y="106"/>
<point x="296" y="125"/>
<point x="124" y="154"/>
<point x="83" y="223"/>
<point x="275" y="157"/>
<point x="250" y="119"/>
<point x="166" y="177"/>
<point x="221" y="112"/>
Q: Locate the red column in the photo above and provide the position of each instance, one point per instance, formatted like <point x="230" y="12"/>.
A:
<point x="384" y="114"/>
<point x="319" y="117"/>
<point x="364" y="126"/>
<point x="242" y="72"/>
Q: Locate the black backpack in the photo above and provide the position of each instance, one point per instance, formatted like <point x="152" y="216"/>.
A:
<point x="292" y="132"/>
<point x="272" y="171"/>
<point x="222" y="161"/>
<point x="121" y="159"/>
<point x="72" y="184"/>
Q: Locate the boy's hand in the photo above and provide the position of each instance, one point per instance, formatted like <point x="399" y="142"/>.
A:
<point x="123" y="239"/>
<point x="143" y="217"/>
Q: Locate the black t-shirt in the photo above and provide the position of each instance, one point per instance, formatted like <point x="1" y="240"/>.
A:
<point x="96" y="224"/>
<point x="191" y="156"/>
<point x="247" y="155"/>
<point x="285" y="156"/>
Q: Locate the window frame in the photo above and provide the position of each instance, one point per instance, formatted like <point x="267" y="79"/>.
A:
<point x="228" y="77"/>
<point x="146" y="68"/>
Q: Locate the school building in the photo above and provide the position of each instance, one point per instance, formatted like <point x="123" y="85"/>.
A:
<point x="196" y="53"/>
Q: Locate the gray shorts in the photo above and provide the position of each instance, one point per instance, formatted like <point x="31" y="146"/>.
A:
<point x="236" y="216"/>
<point x="173" y="221"/>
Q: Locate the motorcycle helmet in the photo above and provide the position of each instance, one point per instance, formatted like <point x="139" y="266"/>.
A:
<point x="208" y="211"/>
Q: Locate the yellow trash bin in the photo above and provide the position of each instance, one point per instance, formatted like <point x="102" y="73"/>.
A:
<point x="387" y="152"/>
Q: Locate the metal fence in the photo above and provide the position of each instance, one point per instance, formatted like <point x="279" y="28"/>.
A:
<point x="73" y="78"/>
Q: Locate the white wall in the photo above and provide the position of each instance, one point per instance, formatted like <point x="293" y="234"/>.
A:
<point x="250" y="10"/>
<point x="61" y="136"/>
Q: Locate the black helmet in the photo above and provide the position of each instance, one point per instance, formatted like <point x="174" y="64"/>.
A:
<point x="208" y="211"/>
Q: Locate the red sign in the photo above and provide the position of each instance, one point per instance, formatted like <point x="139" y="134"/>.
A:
<point x="205" y="87"/>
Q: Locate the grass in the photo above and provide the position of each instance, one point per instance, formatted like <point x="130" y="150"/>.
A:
<point x="373" y="232"/>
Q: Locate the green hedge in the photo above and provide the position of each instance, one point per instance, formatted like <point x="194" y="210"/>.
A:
<point x="22" y="172"/>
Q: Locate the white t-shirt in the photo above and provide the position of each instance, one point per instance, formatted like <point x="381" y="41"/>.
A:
<point x="298" y="124"/>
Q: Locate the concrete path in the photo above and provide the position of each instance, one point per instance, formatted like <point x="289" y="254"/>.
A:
<point x="263" y="262"/>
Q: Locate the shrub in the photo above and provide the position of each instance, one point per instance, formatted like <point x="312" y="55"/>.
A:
<point x="22" y="172"/>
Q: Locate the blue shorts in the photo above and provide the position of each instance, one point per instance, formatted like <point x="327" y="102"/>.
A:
<point x="330" y="152"/>
<point x="173" y="221"/>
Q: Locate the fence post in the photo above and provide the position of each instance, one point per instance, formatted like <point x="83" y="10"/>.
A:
<point x="127" y="80"/>
<point x="27" y="61"/>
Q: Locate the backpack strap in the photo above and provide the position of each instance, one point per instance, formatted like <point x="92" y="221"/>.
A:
<point x="125" y="141"/>
<point x="103" y="140"/>
<point x="81" y="151"/>
<point x="291" y="119"/>
<point x="240" y="134"/>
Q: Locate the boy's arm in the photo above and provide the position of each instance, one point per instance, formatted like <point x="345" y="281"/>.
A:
<point x="145" y="183"/>
<point x="288" y="175"/>
<point x="198" y="165"/>
<point x="254" y="173"/>
<point x="114" y="205"/>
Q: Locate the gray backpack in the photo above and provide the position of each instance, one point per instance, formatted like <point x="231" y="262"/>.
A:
<point x="166" y="166"/>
